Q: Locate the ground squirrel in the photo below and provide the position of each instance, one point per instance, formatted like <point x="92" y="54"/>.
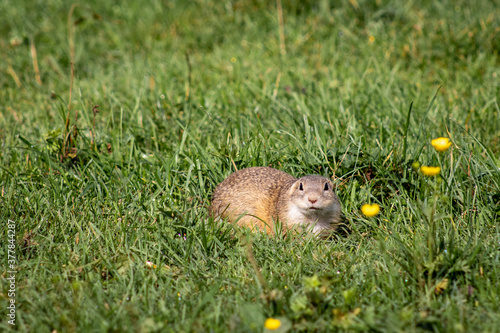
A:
<point x="257" y="197"/>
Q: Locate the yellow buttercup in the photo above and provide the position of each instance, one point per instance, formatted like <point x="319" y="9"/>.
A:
<point x="370" y="210"/>
<point x="272" y="324"/>
<point x="441" y="144"/>
<point x="430" y="170"/>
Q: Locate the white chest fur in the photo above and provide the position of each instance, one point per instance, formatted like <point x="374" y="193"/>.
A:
<point x="304" y="218"/>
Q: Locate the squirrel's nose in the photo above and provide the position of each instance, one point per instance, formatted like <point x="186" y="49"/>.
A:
<point x="312" y="200"/>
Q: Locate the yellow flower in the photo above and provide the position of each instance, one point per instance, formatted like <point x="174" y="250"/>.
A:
<point x="441" y="144"/>
<point x="149" y="264"/>
<point x="371" y="39"/>
<point x="429" y="170"/>
<point x="370" y="210"/>
<point x="272" y="324"/>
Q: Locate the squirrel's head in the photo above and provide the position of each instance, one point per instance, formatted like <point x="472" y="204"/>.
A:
<point x="313" y="195"/>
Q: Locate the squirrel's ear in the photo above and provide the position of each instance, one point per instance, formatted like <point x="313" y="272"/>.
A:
<point x="301" y="187"/>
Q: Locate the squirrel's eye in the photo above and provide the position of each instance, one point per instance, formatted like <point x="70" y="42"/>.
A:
<point x="301" y="188"/>
<point x="326" y="186"/>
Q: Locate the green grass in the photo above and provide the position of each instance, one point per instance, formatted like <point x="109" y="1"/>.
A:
<point x="186" y="92"/>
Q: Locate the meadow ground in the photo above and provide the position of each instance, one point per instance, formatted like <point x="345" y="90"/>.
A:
<point x="112" y="167"/>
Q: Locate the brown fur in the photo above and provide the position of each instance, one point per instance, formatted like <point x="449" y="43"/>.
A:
<point x="258" y="197"/>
